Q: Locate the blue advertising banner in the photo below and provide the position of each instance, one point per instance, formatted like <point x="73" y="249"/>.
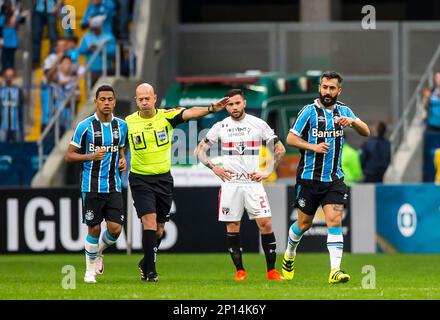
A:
<point x="18" y="163"/>
<point x="408" y="218"/>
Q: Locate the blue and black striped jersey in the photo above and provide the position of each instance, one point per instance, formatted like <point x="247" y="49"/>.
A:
<point x="11" y="106"/>
<point x="91" y="135"/>
<point x="316" y="124"/>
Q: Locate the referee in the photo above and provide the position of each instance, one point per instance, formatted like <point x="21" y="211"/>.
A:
<point x="150" y="133"/>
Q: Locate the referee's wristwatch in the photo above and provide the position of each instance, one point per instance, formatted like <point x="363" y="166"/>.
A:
<point x="210" y="108"/>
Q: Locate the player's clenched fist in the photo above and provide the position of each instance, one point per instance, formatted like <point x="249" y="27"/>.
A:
<point x="98" y="155"/>
<point x="344" y="121"/>
<point x="122" y="164"/>
<point x="322" y="147"/>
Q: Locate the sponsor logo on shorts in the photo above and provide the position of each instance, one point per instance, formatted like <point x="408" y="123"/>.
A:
<point x="122" y="217"/>
<point x="225" y="210"/>
<point x="345" y="196"/>
<point x="302" y="202"/>
<point x="89" y="215"/>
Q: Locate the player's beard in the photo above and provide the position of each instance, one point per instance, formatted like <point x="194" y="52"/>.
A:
<point x="325" y="103"/>
<point x="237" y="115"/>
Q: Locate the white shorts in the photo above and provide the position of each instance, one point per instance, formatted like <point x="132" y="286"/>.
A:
<point x="235" y="198"/>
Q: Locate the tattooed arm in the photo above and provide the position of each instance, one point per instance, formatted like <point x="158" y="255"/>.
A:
<point x="202" y="154"/>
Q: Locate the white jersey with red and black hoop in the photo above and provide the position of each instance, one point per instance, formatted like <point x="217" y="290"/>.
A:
<point x="241" y="141"/>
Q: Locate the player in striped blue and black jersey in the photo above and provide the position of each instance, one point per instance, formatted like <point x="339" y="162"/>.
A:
<point x="319" y="133"/>
<point x="98" y="143"/>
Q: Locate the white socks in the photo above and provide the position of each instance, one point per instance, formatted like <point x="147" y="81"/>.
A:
<point x="106" y="241"/>
<point x="91" y="251"/>
<point x="335" y="246"/>
<point x="295" y="236"/>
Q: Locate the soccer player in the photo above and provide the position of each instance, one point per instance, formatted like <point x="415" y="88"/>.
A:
<point x="98" y="143"/>
<point x="319" y="133"/>
<point x="150" y="132"/>
<point x="241" y="136"/>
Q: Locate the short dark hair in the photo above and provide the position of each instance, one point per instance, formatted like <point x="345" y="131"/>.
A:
<point x="381" y="128"/>
<point x="332" y="75"/>
<point x="104" y="87"/>
<point x="66" y="57"/>
<point x="234" y="92"/>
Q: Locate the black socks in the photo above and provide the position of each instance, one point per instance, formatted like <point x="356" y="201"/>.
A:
<point x="234" y="248"/>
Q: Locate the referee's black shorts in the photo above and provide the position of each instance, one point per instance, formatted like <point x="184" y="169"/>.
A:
<point x="152" y="194"/>
<point x="312" y="194"/>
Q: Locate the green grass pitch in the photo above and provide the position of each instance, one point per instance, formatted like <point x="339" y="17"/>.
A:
<point x="210" y="276"/>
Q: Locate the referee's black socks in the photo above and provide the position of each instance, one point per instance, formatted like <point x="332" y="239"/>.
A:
<point x="149" y="244"/>
<point x="234" y="248"/>
<point x="269" y="247"/>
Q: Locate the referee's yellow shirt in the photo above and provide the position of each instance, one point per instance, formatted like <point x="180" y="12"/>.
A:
<point x="150" y="140"/>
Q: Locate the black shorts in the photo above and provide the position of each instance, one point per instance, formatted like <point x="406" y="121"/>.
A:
<point x="152" y="194"/>
<point x="312" y="194"/>
<point x="100" y="206"/>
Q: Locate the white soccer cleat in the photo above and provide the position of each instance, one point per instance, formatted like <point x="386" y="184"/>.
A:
<point x="90" y="277"/>
<point x="99" y="265"/>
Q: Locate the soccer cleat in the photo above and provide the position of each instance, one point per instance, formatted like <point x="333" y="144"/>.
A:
<point x="288" y="267"/>
<point x="140" y="266"/>
<point x="240" y="275"/>
<point x="274" y="275"/>
<point x="99" y="265"/>
<point x="338" y="276"/>
<point x="90" y="277"/>
<point x="152" y="277"/>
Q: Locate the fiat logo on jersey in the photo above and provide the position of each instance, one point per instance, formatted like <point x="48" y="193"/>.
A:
<point x="240" y="146"/>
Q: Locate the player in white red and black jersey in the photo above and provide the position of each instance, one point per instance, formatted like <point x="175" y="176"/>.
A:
<point x="241" y="136"/>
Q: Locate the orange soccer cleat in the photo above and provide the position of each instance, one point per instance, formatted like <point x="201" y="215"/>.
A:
<point x="274" y="275"/>
<point x="240" y="275"/>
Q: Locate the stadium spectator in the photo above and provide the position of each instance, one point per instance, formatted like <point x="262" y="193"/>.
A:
<point x="73" y="51"/>
<point x="104" y="9"/>
<point x="10" y="18"/>
<point x="242" y="189"/>
<point x="318" y="132"/>
<point x="53" y="60"/>
<point x="45" y="13"/>
<point x="376" y="154"/>
<point x="351" y="165"/>
<point x="12" y="109"/>
<point x="91" y="42"/>
<point x="150" y="179"/>
<point x="48" y="86"/>
<point x="431" y="103"/>
<point x="101" y="189"/>
<point x="66" y="81"/>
